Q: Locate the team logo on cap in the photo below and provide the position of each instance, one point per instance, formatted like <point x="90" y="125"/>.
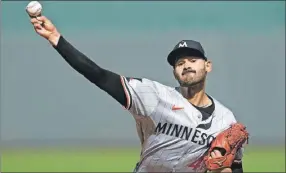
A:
<point x="183" y="44"/>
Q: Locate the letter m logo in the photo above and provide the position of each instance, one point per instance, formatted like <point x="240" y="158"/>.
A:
<point x="160" y="128"/>
<point x="183" y="44"/>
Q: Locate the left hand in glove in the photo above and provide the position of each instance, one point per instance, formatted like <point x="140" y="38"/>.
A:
<point x="224" y="147"/>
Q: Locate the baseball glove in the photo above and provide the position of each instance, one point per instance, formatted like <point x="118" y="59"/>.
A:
<point x="227" y="142"/>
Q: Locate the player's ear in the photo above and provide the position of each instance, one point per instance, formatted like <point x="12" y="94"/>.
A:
<point x="208" y="65"/>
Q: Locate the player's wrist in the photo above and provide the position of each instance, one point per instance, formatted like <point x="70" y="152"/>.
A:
<point x="54" y="38"/>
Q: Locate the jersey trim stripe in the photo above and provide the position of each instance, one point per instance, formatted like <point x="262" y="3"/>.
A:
<point x="127" y="93"/>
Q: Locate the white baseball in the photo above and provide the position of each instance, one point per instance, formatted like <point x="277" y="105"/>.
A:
<point x="34" y="8"/>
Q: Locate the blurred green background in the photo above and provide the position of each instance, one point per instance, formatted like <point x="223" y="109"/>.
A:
<point x="52" y="119"/>
<point x="265" y="159"/>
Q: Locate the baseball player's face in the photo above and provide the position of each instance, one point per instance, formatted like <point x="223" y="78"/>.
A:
<point x="190" y="71"/>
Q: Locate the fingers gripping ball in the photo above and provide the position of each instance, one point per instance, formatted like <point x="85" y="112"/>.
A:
<point x="34" y="9"/>
<point x="228" y="142"/>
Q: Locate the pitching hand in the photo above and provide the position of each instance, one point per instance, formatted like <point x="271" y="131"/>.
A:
<point x="217" y="153"/>
<point x="45" y="28"/>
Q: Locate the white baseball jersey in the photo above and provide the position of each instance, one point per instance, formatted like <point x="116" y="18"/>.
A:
<point x="173" y="135"/>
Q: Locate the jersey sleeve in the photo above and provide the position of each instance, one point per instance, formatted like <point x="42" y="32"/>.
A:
<point x="142" y="95"/>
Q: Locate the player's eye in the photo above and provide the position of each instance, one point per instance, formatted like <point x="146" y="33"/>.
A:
<point x="180" y="63"/>
<point x="193" y="60"/>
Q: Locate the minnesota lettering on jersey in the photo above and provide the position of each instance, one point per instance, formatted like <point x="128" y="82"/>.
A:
<point x="184" y="132"/>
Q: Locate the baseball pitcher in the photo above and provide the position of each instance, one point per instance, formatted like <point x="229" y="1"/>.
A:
<point x="181" y="129"/>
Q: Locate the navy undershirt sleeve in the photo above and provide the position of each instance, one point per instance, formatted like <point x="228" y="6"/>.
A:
<point x="106" y="80"/>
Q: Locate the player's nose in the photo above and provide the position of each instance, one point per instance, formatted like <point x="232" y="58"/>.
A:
<point x="186" y="67"/>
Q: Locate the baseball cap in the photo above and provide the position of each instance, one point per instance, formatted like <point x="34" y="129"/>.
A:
<point x="186" y="48"/>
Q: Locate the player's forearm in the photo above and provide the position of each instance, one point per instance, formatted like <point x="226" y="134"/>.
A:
<point x="237" y="168"/>
<point x="79" y="61"/>
<point x="104" y="79"/>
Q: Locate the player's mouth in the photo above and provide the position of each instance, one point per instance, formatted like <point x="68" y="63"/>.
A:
<point x="188" y="71"/>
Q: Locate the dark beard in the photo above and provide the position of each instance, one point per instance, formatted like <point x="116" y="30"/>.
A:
<point x="191" y="84"/>
<point x="193" y="88"/>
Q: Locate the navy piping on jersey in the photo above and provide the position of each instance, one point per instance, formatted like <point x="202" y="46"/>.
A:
<point x="127" y="93"/>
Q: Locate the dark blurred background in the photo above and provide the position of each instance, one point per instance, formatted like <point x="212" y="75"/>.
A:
<point x="44" y="102"/>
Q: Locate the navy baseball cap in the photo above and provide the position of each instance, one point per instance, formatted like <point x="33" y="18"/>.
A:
<point x="186" y="48"/>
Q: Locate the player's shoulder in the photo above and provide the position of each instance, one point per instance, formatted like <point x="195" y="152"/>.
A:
<point x="147" y="82"/>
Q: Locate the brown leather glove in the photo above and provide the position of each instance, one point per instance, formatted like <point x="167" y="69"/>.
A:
<point x="227" y="142"/>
